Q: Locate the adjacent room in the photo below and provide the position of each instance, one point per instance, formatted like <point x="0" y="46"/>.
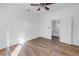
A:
<point x="39" y="29"/>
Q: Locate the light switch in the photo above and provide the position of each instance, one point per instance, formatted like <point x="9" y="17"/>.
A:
<point x="48" y="27"/>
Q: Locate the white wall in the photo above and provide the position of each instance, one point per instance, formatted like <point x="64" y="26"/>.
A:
<point x="76" y="25"/>
<point x="26" y="25"/>
<point x="47" y="22"/>
<point x="65" y="16"/>
<point x="20" y="24"/>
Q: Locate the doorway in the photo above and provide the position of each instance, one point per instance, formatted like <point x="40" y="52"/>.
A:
<point x="55" y="29"/>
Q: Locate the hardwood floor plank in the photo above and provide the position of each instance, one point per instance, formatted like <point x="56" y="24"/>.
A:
<point x="46" y="47"/>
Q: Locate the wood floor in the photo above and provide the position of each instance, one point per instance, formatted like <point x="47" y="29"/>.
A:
<point x="46" y="47"/>
<point x="6" y="52"/>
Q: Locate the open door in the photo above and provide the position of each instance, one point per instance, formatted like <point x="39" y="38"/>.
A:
<point x="55" y="29"/>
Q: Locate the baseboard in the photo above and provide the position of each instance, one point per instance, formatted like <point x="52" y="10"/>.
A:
<point x="65" y="43"/>
<point x="74" y="45"/>
<point x="40" y="38"/>
<point x="46" y="37"/>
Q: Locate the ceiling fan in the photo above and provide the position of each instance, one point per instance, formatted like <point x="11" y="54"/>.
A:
<point x="43" y="5"/>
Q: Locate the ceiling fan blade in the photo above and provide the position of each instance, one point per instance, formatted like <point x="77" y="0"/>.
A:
<point x="49" y="3"/>
<point x="35" y="4"/>
<point x="38" y="9"/>
<point x="46" y="8"/>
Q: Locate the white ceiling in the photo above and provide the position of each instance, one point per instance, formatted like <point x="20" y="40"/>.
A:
<point x="33" y="9"/>
<point x="53" y="7"/>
